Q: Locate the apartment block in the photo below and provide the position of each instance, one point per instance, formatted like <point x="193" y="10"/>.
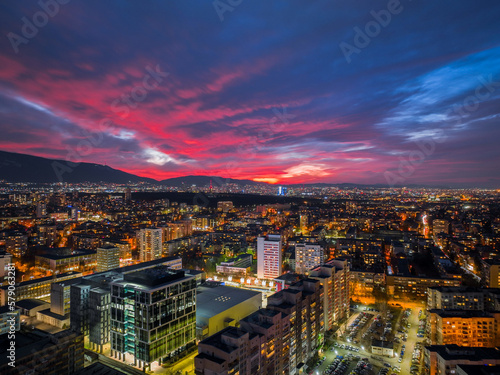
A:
<point x="334" y="276"/>
<point x="464" y="328"/>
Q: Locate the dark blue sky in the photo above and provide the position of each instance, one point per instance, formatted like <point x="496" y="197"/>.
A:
<point x="291" y="91"/>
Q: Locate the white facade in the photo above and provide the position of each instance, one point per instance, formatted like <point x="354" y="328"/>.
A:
<point x="269" y="257"/>
<point x="308" y="256"/>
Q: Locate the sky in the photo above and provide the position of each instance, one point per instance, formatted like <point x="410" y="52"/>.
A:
<point x="286" y="91"/>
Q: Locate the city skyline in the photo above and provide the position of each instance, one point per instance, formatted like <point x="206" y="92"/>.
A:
<point x="393" y="92"/>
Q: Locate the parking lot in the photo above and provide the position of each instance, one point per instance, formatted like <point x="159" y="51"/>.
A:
<point x="351" y="353"/>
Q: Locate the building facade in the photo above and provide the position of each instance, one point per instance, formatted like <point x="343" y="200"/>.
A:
<point x="153" y="316"/>
<point x="334" y="276"/>
<point x="150" y="244"/>
<point x="269" y="257"/>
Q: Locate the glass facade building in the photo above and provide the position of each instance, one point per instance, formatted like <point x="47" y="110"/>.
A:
<point x="153" y="315"/>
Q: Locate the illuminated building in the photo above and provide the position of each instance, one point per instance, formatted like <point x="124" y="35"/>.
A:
<point x="150" y="244"/>
<point x="153" y="316"/>
<point x="219" y="306"/>
<point x="334" y="276"/>
<point x="465" y="328"/>
<point x="462" y="298"/>
<point x="231" y="351"/>
<point x="308" y="256"/>
<point x="67" y="260"/>
<point x="491" y="273"/>
<point x="303" y="303"/>
<point x="225" y="206"/>
<point x="440" y="226"/>
<point x="108" y="258"/>
<point x="269" y="257"/>
<point x="36" y="288"/>
<point x="273" y="327"/>
<point x="416" y="286"/>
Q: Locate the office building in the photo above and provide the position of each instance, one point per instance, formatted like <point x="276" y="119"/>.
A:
<point x="153" y="316"/>
<point x="90" y="300"/>
<point x="269" y="257"/>
<point x="334" y="276"/>
<point x="108" y="258"/>
<point x="37" y="288"/>
<point x="238" y="265"/>
<point x="79" y="260"/>
<point x="150" y="244"/>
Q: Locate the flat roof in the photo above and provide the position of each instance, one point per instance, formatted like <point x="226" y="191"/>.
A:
<point x="30" y="303"/>
<point x="452" y="352"/>
<point x="212" y="300"/>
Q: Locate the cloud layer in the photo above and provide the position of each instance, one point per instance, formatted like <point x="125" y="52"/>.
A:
<point x="165" y="89"/>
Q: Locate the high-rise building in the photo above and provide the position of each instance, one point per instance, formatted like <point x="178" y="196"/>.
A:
<point x="128" y="194"/>
<point x="90" y="302"/>
<point x="303" y="303"/>
<point x="269" y="257"/>
<point x="150" y="242"/>
<point x="273" y="327"/>
<point x="334" y="276"/>
<point x="308" y="256"/>
<point x="108" y="258"/>
<point x="153" y="316"/>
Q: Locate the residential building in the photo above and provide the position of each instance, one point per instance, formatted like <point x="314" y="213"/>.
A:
<point x="334" y="276"/>
<point x="464" y="328"/>
<point x="444" y="359"/>
<point x="303" y="303"/>
<point x="150" y="244"/>
<point x="269" y="257"/>
<point x="308" y="256"/>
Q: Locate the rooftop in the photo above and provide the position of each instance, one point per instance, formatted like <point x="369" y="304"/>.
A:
<point x="212" y="300"/>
